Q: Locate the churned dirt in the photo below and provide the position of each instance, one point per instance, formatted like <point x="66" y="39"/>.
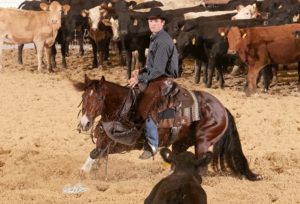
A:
<point x="41" y="152"/>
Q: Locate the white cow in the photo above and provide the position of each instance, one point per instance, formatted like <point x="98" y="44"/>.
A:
<point x="242" y="12"/>
<point x="39" y="27"/>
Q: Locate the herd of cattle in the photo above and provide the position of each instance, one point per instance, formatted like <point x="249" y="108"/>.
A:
<point x="252" y="33"/>
<point x="258" y="34"/>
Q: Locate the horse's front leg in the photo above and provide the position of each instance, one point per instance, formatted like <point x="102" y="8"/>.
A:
<point x="90" y="161"/>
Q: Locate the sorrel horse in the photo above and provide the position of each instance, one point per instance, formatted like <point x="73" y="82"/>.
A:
<point x="216" y="127"/>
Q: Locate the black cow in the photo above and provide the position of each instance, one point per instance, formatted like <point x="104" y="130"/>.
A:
<point x="99" y="33"/>
<point x="173" y="27"/>
<point x="204" y="43"/>
<point x="74" y="21"/>
<point x="184" y="184"/>
<point x="134" y="31"/>
<point x="230" y="5"/>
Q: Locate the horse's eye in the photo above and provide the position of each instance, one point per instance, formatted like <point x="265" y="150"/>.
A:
<point x="100" y="98"/>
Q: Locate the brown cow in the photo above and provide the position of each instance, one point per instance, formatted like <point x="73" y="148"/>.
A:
<point x="99" y="33"/>
<point x="184" y="184"/>
<point x="260" y="46"/>
<point x="38" y="27"/>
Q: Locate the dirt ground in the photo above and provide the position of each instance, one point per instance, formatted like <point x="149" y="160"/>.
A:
<point x="41" y="152"/>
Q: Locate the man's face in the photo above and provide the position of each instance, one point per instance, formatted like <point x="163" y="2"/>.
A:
<point x="156" y="24"/>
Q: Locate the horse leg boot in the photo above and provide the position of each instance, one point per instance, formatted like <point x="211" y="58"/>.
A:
<point x="91" y="160"/>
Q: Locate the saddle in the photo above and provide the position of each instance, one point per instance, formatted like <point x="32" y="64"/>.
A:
<point x="170" y="106"/>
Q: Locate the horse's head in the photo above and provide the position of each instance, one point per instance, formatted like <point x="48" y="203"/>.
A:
<point x="93" y="98"/>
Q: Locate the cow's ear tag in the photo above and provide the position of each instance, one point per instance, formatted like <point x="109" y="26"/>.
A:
<point x="296" y="18"/>
<point x="222" y="34"/>
<point x="245" y="35"/>
<point x="194" y="41"/>
<point x="174" y="41"/>
<point x="135" y="22"/>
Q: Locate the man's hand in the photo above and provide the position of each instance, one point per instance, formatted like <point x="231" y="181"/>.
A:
<point x="133" y="81"/>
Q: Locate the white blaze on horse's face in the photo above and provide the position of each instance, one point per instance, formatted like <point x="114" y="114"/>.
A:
<point x="85" y="121"/>
<point x="92" y="105"/>
<point x="115" y="28"/>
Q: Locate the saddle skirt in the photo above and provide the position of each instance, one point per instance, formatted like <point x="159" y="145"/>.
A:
<point x="178" y="107"/>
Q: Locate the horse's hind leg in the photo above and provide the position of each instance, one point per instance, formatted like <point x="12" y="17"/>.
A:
<point x="229" y="148"/>
<point x="201" y="148"/>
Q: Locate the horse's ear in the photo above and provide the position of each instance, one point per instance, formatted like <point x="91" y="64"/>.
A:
<point x="167" y="155"/>
<point x="205" y="160"/>
<point x="102" y="78"/>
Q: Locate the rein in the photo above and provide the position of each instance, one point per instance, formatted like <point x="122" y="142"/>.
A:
<point x="78" y="107"/>
<point x="128" y="103"/>
<point x="92" y="129"/>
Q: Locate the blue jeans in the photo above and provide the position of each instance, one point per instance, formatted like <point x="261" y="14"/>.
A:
<point x="151" y="133"/>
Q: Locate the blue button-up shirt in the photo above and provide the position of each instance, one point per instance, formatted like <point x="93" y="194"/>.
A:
<point x="162" y="59"/>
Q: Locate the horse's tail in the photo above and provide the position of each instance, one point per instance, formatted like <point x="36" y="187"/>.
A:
<point x="229" y="149"/>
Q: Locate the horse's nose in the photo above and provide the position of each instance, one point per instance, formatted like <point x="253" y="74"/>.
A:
<point x="85" y="123"/>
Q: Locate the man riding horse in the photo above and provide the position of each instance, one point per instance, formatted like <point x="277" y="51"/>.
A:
<point x="162" y="61"/>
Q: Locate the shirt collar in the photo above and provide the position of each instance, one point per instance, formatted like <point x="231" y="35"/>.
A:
<point x="155" y="35"/>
